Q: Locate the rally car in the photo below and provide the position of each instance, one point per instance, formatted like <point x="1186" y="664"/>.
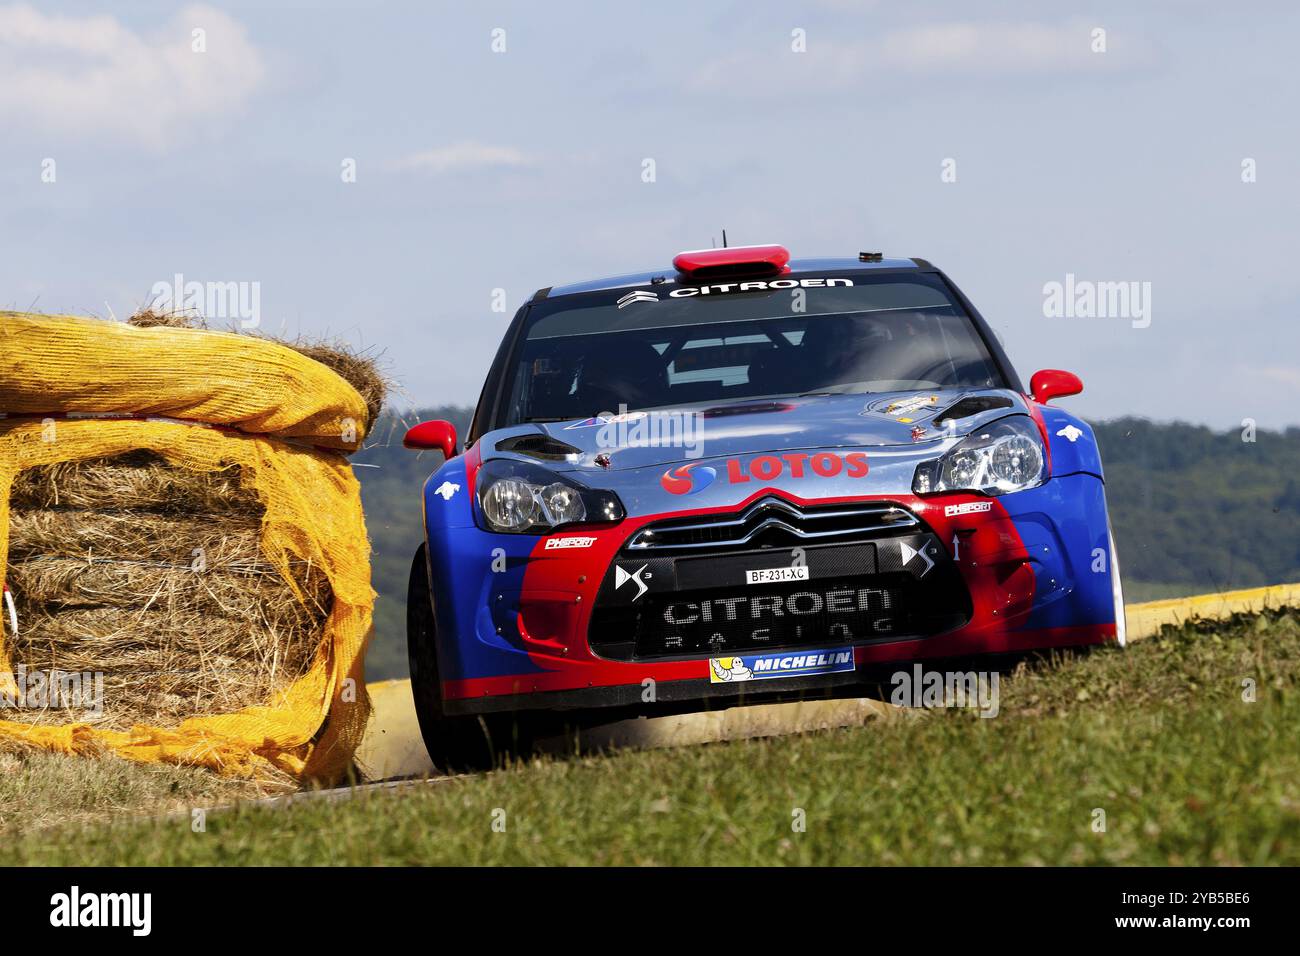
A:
<point x="746" y="474"/>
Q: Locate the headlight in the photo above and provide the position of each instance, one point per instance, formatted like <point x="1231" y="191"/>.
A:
<point x="516" y="497"/>
<point x="999" y="458"/>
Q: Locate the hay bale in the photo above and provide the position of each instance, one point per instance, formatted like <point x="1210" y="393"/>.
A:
<point x="134" y="481"/>
<point x="153" y="575"/>
<point x="149" y="319"/>
<point x="359" y="370"/>
<point x="157" y="465"/>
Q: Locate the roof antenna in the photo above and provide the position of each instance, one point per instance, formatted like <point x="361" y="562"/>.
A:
<point x="724" y="238"/>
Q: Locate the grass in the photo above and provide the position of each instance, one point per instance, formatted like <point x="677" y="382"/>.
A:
<point x="1158" y="737"/>
<point x="40" y="790"/>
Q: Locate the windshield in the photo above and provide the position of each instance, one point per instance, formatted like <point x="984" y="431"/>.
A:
<point x="596" y="353"/>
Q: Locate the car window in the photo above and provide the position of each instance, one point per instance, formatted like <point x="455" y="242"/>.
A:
<point x="592" y="356"/>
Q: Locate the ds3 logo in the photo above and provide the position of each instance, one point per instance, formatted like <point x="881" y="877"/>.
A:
<point x="692" y="477"/>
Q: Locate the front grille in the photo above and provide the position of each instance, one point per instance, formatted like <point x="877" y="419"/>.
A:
<point x="823" y="613"/>
<point x="776" y="576"/>
<point x="742" y="620"/>
<point x="773" y="522"/>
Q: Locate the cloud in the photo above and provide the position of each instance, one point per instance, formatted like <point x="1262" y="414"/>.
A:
<point x="992" y="48"/>
<point x="1289" y="377"/>
<point x="938" y="49"/>
<point x="93" y="76"/>
<point x="463" y="155"/>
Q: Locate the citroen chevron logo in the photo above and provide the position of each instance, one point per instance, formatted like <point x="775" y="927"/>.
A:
<point x="638" y="295"/>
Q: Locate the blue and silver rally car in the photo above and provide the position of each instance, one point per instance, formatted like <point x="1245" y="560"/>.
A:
<point x="744" y="475"/>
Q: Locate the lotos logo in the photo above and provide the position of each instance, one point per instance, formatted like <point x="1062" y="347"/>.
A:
<point x="688" y="479"/>
<point x="826" y="464"/>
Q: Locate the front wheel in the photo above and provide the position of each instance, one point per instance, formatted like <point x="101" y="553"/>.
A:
<point x="454" y="743"/>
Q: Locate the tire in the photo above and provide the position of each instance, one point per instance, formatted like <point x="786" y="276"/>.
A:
<point x="454" y="743"/>
<point x="1117" y="592"/>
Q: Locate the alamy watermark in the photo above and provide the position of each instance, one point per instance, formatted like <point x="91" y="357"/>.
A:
<point x="133" y="911"/>
<point x="232" y="301"/>
<point x="921" y="688"/>
<point x="654" y="429"/>
<point x="24" y="689"/>
<point x="1086" y="299"/>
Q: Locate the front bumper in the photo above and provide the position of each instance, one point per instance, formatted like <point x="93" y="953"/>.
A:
<point x="590" y="621"/>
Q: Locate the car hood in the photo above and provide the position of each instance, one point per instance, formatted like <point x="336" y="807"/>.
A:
<point x="728" y="429"/>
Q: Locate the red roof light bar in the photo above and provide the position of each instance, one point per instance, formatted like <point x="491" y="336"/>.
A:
<point x="732" y="261"/>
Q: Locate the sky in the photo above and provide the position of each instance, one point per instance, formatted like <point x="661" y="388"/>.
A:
<point x="402" y="176"/>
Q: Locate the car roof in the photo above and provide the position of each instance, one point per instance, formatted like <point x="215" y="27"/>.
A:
<point x="796" y="266"/>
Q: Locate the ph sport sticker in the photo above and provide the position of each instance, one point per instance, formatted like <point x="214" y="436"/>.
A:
<point x="726" y="670"/>
<point x="559" y="544"/>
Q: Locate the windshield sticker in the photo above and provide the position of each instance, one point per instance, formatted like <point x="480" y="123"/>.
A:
<point x="758" y="285"/>
<point x="606" y="420"/>
<point x="638" y="295"/>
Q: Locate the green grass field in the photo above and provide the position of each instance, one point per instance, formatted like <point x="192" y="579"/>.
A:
<point x="1158" y="737"/>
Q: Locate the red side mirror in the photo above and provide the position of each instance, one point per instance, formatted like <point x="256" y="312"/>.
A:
<point x="1052" y="383"/>
<point x="429" y="435"/>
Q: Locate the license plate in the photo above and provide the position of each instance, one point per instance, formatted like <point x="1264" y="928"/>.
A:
<point x="776" y="575"/>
